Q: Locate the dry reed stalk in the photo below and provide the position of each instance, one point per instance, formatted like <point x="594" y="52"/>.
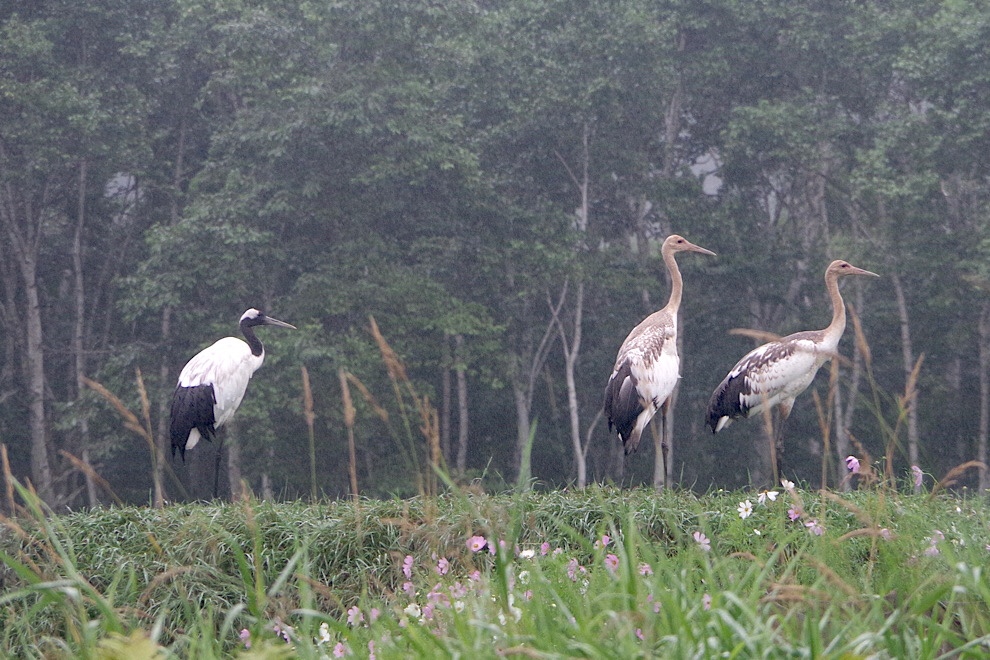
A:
<point x="864" y="347"/>
<point x="429" y="419"/>
<point x="310" y="418"/>
<point x="832" y="576"/>
<point x="904" y="404"/>
<point x="953" y="475"/>
<point x="861" y="515"/>
<point x="88" y="470"/>
<point x="132" y="423"/>
<point x="8" y="479"/>
<point x="368" y="396"/>
<point x="349" y="413"/>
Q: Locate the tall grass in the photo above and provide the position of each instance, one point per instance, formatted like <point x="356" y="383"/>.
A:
<point x="596" y="573"/>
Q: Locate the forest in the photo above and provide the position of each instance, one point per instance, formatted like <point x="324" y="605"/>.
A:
<point x="482" y="188"/>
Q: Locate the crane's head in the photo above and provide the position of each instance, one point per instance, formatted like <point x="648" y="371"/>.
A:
<point x="253" y="317"/>
<point x="675" y="243"/>
<point x="840" y="268"/>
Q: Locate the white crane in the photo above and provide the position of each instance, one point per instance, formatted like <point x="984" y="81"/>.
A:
<point x="212" y="384"/>
<point x="772" y="376"/>
<point x="647" y="366"/>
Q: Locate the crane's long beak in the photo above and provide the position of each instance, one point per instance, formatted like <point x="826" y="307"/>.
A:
<point x="860" y="271"/>
<point x="698" y="248"/>
<point x="281" y="324"/>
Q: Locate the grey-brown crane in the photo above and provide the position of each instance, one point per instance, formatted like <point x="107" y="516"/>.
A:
<point x="772" y="376"/>
<point x="647" y="366"/>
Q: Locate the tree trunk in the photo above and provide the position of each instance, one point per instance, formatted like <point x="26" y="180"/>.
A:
<point x="909" y="363"/>
<point x="571" y="352"/>
<point x="21" y="219"/>
<point x="523" y="428"/>
<point x="446" y="400"/>
<point x="981" y="442"/>
<point x="79" y="330"/>
<point x="162" y="440"/>
<point x="462" y="404"/>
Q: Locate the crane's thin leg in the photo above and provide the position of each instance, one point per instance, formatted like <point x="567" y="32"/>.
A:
<point x="664" y="445"/>
<point x="770" y="426"/>
<point x="216" y="473"/>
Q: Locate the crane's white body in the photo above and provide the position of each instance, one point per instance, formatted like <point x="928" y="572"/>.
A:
<point x="776" y="373"/>
<point x="647" y="366"/>
<point x="770" y="378"/>
<point x="652" y="367"/>
<point x="227" y="367"/>
<point x="212" y="384"/>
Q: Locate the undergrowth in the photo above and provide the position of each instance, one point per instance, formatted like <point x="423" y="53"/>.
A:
<point x="595" y="573"/>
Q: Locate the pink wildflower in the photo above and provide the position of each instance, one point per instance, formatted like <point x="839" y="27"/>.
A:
<point x="407" y="564"/>
<point x="374" y="614"/>
<point x="443" y="566"/>
<point x="245" y="636"/>
<point x="639" y="634"/>
<point x="544" y="548"/>
<point x="354" y="616"/>
<point x="852" y="464"/>
<point x="606" y="539"/>
<point x="409" y="588"/>
<point x="706" y="601"/>
<point x="919" y="476"/>
<point x="371" y="650"/>
<point x="339" y="651"/>
<point x="702" y="541"/>
<point x="794" y="513"/>
<point x="573" y="568"/>
<point x="814" y="527"/>
<point x="476" y="543"/>
<point x="645" y="569"/>
<point x="611" y="562"/>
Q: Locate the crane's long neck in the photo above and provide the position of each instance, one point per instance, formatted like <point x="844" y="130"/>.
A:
<point x="838" y="325"/>
<point x="257" y="349"/>
<point x="676" y="283"/>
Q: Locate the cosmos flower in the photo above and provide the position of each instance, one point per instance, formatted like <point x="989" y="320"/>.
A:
<point x="852" y="464"/>
<point x="476" y="543"/>
<point x="745" y="509"/>
<point x="918" y="475"/>
<point x="407" y="564"/>
<point x="767" y="495"/>
<point x="788" y="485"/>
<point x="354" y="616"/>
<point x="702" y="541"/>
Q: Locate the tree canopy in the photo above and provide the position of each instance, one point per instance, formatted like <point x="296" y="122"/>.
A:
<point x="490" y="183"/>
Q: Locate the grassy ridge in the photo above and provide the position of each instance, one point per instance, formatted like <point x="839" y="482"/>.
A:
<point x="596" y="573"/>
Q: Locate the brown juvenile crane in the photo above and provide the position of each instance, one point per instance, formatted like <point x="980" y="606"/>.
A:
<point x="772" y="376"/>
<point x="647" y="367"/>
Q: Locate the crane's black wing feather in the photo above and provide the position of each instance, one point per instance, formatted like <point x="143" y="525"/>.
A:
<point x="192" y="408"/>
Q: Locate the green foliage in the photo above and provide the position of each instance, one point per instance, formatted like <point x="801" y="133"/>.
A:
<point x="598" y="573"/>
